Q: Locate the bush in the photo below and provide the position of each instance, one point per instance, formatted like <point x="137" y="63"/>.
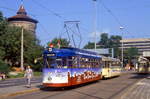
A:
<point x="4" y="68"/>
<point x="17" y="75"/>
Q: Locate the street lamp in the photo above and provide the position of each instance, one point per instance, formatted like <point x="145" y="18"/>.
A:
<point x="95" y="22"/>
<point x="121" y="28"/>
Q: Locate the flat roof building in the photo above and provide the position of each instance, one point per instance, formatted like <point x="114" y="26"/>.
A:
<point x="142" y="44"/>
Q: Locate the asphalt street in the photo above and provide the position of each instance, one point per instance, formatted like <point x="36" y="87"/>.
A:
<point x="112" y="88"/>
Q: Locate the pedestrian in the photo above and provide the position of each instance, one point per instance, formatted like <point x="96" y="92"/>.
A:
<point x="28" y="74"/>
<point x="2" y="76"/>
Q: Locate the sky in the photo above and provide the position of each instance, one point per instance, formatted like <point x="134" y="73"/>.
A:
<point x="133" y="15"/>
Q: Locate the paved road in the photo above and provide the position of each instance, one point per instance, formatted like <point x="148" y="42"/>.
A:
<point x="18" y="81"/>
<point x="103" y="89"/>
<point x="140" y="90"/>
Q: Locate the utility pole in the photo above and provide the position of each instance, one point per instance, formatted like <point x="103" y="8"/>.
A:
<point x="95" y="22"/>
<point x="121" y="28"/>
<point x="22" y="61"/>
<point x="112" y="52"/>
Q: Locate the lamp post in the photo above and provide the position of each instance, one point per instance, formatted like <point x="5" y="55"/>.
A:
<point x="95" y="22"/>
<point x="121" y="28"/>
<point x="22" y="60"/>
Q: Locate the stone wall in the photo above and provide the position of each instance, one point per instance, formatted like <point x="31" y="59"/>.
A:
<point x="25" y="24"/>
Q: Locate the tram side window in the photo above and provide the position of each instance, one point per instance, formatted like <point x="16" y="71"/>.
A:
<point x="74" y="62"/>
<point x="97" y="63"/>
<point x="82" y="62"/>
<point x="59" y="62"/>
<point x="113" y="63"/>
<point x="69" y="62"/>
<point x="107" y="64"/>
<point x="64" y="62"/>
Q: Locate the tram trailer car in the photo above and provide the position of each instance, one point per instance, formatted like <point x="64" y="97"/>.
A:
<point x="143" y="65"/>
<point x="70" y="66"/>
<point x="111" y="67"/>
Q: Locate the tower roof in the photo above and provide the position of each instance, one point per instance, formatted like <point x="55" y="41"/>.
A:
<point x="22" y="16"/>
<point x="22" y="10"/>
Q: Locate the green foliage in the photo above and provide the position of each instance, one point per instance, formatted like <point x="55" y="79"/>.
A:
<point x="18" y="75"/>
<point x="90" y="45"/>
<point x="104" y="42"/>
<point x="114" y="42"/>
<point x="107" y="42"/>
<point x="131" y="53"/>
<point x="4" y="68"/>
<point x="21" y="74"/>
<point x="10" y="45"/>
<point x="37" y="73"/>
<point x="63" y="42"/>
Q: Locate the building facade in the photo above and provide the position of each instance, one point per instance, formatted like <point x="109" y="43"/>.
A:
<point x="142" y="44"/>
<point x="21" y="19"/>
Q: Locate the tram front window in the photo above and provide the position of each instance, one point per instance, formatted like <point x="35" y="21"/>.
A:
<point x="56" y="62"/>
<point x="51" y="63"/>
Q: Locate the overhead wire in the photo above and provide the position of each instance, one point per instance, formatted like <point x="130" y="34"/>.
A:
<point x="114" y="16"/>
<point x="52" y="12"/>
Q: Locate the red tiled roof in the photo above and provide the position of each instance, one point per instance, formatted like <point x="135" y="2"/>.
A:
<point x="21" y="16"/>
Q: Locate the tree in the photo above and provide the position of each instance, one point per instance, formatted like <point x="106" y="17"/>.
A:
<point x="62" y="42"/>
<point x="104" y="41"/>
<point x="10" y="45"/>
<point x="107" y="42"/>
<point x="90" y="45"/>
<point x="131" y="53"/>
<point x="114" y="42"/>
<point x="4" y="68"/>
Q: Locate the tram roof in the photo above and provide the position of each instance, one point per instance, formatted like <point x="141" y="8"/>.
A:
<point x="68" y="51"/>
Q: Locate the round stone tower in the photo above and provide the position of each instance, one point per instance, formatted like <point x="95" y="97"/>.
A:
<point x="23" y="20"/>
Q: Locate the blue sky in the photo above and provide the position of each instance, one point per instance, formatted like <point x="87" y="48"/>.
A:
<point x="133" y="15"/>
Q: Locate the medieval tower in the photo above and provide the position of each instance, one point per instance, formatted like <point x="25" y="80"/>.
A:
<point x="21" y="19"/>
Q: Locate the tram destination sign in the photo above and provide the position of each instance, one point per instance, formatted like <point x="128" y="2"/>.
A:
<point x="50" y="54"/>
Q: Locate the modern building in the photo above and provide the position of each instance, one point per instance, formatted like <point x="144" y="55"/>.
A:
<point x="142" y="44"/>
<point x="21" y="19"/>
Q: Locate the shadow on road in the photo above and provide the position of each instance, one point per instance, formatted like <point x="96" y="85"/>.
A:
<point x="110" y="78"/>
<point x="139" y="76"/>
<point x="64" y="88"/>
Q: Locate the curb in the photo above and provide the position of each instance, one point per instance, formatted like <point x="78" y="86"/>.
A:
<point x="22" y="77"/>
<point x="19" y="93"/>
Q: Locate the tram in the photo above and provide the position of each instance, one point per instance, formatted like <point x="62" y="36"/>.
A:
<point x="111" y="67"/>
<point x="143" y="65"/>
<point x="70" y="66"/>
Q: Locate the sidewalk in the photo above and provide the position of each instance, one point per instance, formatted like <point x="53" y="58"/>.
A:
<point x="140" y="90"/>
<point x="15" y="90"/>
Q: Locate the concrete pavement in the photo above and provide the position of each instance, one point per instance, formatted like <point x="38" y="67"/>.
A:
<point x="16" y="90"/>
<point x="12" y="87"/>
<point x="140" y="90"/>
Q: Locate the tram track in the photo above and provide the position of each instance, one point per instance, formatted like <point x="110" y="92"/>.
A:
<point x="103" y="89"/>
